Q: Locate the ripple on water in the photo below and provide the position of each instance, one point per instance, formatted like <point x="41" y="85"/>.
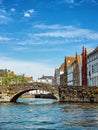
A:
<point x="48" y="114"/>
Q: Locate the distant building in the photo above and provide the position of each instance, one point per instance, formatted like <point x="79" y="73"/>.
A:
<point x="46" y="79"/>
<point x="92" y="68"/>
<point x="29" y="79"/>
<point x="61" y="71"/>
<point x="58" y="73"/>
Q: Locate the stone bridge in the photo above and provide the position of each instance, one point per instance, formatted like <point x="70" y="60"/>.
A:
<point x="79" y="94"/>
<point x="62" y="92"/>
<point x="13" y="92"/>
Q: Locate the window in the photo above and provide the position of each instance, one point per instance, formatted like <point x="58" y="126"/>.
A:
<point x="92" y="69"/>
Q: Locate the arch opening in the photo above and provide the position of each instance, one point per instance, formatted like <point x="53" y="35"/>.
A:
<point x="16" y="96"/>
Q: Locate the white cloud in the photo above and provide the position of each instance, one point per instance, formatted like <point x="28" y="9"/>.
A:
<point x="4" y="38"/>
<point x="68" y="32"/>
<point x="4" y="17"/>
<point x="72" y="3"/>
<point x="35" y="69"/>
<point x="13" y="9"/>
<point x="29" y="13"/>
<point x="54" y="26"/>
<point x="50" y="50"/>
<point x="19" y="48"/>
<point x="26" y="14"/>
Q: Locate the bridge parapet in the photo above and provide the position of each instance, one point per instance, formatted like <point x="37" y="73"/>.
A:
<point x="16" y="90"/>
<point x="78" y="93"/>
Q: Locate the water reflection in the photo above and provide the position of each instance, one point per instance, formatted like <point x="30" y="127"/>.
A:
<point x="48" y="114"/>
<point x="84" y="115"/>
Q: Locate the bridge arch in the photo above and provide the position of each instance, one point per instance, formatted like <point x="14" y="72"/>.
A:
<point x="17" y="95"/>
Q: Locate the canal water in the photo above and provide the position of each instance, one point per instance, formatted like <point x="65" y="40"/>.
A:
<point x="47" y="114"/>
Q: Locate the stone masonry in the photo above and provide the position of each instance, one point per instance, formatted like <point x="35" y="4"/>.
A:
<point x="78" y="94"/>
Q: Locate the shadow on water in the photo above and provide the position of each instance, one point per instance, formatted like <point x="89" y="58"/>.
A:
<point x="81" y="114"/>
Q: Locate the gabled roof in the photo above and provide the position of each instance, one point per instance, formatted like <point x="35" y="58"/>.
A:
<point x="94" y="51"/>
<point x="79" y="58"/>
<point x="61" y="68"/>
<point x="69" y="60"/>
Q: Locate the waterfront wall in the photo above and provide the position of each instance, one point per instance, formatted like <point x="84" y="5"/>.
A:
<point x="78" y="94"/>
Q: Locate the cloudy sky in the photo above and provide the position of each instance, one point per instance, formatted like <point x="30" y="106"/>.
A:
<point x="36" y="35"/>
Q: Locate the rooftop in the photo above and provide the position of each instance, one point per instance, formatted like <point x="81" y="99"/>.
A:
<point x="69" y="60"/>
<point x="61" y="68"/>
<point x="94" y="51"/>
<point x="46" y="77"/>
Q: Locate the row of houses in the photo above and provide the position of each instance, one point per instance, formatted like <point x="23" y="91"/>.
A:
<point x="78" y="70"/>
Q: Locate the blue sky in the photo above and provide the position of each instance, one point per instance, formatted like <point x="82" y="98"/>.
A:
<point x="36" y="35"/>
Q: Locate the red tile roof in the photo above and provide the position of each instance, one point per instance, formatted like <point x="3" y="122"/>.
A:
<point x="69" y="60"/>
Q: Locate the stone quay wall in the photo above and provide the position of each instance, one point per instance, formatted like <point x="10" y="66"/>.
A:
<point x="78" y="94"/>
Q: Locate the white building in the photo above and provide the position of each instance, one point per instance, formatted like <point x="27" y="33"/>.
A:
<point x="38" y="92"/>
<point x="70" y="75"/>
<point x="92" y="68"/>
<point x="46" y="79"/>
<point x="58" y="72"/>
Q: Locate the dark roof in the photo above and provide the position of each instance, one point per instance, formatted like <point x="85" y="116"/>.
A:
<point x="46" y="77"/>
<point x="94" y="51"/>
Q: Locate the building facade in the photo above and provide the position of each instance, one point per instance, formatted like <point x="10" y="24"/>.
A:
<point x="56" y="75"/>
<point x="46" y="79"/>
<point x="77" y="71"/>
<point x="66" y="78"/>
<point x="92" y="68"/>
<point x="84" y="67"/>
<point x="58" y="72"/>
<point x="74" y="71"/>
